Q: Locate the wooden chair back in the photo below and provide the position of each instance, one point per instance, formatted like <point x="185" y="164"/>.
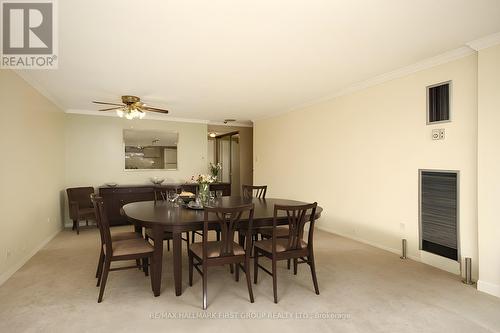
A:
<point x="297" y="219"/>
<point x="81" y="195"/>
<point x="228" y="220"/>
<point x="102" y="223"/>
<point x="251" y="191"/>
<point x="93" y="199"/>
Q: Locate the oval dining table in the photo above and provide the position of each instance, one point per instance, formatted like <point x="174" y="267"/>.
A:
<point x="163" y="216"/>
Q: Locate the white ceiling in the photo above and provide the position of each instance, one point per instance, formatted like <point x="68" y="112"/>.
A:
<point x="246" y="60"/>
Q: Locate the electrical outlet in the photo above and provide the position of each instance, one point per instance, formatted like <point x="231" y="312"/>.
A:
<point x="438" y="134"/>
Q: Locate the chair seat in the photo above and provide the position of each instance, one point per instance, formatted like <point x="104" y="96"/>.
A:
<point x="213" y="249"/>
<point x="281" y="232"/>
<point x="130" y="247"/>
<point x="281" y="245"/>
<point x="119" y="236"/>
<point x="166" y="234"/>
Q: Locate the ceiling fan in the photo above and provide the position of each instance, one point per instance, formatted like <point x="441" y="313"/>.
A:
<point x="131" y="108"/>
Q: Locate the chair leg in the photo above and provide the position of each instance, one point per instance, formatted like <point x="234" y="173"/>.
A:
<point x="192" y="236"/>
<point x="249" y="283"/>
<point x="231" y="268"/>
<point x="138" y="263"/>
<point x="107" y="264"/>
<point x="77" y="226"/>
<point x="288" y="264"/>
<point x="217" y="235"/>
<point x="87" y="222"/>
<point x="74" y="225"/>
<point x="255" y="265"/>
<point x="99" y="265"/>
<point x="275" y="282"/>
<point x="191" y="263"/>
<point x="168" y="244"/>
<point x="145" y="264"/>
<point x="310" y="259"/>
<point x="237" y="272"/>
<point x="205" y="283"/>
<point x="187" y="239"/>
<point x="295" y="264"/>
<point x="152" y="274"/>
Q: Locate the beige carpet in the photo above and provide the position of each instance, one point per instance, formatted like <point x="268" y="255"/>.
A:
<point x="363" y="289"/>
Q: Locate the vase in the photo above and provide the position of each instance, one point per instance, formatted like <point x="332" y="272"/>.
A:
<point x="204" y="192"/>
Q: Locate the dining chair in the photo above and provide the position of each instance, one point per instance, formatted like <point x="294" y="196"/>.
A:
<point x="80" y="206"/>
<point x="254" y="191"/>
<point x="259" y="192"/>
<point x="293" y="247"/>
<point x="161" y="194"/>
<point x="136" y="249"/>
<point x="226" y="251"/>
<point x="118" y="236"/>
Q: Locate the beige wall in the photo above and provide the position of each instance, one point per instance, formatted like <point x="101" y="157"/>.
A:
<point x="31" y="172"/>
<point x="358" y="155"/>
<point x="246" y="150"/>
<point x="489" y="170"/>
<point x="95" y="152"/>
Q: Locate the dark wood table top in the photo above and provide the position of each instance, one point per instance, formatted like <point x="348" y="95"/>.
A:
<point x="149" y="213"/>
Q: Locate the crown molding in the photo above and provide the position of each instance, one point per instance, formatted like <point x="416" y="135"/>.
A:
<point x="232" y="124"/>
<point x="443" y="58"/>
<point x="154" y="116"/>
<point x="23" y="74"/>
<point x="485" y="42"/>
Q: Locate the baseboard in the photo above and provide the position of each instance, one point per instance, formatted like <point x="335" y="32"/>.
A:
<point x="386" y="248"/>
<point x="6" y="275"/>
<point x="489" y="288"/>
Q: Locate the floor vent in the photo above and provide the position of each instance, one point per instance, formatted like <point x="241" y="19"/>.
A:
<point x="439" y="213"/>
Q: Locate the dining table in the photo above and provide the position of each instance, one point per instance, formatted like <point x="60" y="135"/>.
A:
<point x="163" y="216"/>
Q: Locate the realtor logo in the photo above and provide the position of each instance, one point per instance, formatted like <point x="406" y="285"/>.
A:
<point x="28" y="34"/>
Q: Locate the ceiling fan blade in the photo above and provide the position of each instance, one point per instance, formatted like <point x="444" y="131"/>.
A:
<point x="148" y="108"/>
<point x="109" y="109"/>
<point x="106" y="103"/>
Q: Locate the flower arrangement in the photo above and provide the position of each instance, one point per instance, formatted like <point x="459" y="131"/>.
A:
<point x="215" y="169"/>
<point x="203" y="179"/>
<point x="203" y="186"/>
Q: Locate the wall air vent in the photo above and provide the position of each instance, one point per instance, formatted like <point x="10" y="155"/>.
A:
<point x="439" y="213"/>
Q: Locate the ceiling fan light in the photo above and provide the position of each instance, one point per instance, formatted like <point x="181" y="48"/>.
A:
<point x="129" y="116"/>
<point x="142" y="114"/>
<point x="119" y="112"/>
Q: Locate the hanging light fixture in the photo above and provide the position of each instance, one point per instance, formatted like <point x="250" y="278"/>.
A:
<point x="130" y="112"/>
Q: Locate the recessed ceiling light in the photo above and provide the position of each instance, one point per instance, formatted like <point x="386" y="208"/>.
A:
<point x="212" y="134"/>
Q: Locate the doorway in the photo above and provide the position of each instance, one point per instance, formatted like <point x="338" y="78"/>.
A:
<point x="226" y="151"/>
